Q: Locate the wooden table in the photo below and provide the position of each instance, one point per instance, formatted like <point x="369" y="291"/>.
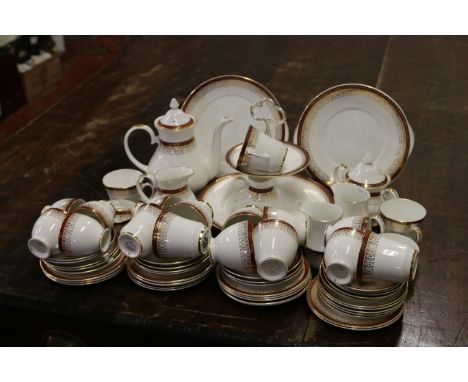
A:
<point x="66" y="151"/>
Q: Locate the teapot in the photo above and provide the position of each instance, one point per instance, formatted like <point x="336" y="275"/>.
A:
<point x="367" y="175"/>
<point x="177" y="146"/>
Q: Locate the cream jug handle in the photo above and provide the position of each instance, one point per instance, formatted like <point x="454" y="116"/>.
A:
<point x="144" y="181"/>
<point x="379" y="221"/>
<point x="339" y="173"/>
<point x="388" y="193"/>
<point x="154" y="139"/>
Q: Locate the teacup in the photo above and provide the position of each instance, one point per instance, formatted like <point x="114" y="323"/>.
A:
<point x="233" y="247"/>
<point x="121" y="184"/>
<point x="101" y="210"/>
<point x="403" y="216"/>
<point x="298" y="222"/>
<point x="67" y="204"/>
<point x="175" y="236"/>
<point x="45" y="233"/>
<point x="251" y="213"/>
<point x="351" y="254"/>
<point x="136" y="237"/>
<point x="82" y="235"/>
<point x="197" y="210"/>
<point x="167" y="182"/>
<point x="361" y="223"/>
<point x="169" y="236"/>
<point x="261" y="153"/>
<point x="319" y="217"/>
<point x="275" y="246"/>
<point x="352" y="199"/>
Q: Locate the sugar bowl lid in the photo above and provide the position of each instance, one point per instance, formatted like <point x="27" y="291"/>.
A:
<point x="367" y="174"/>
<point x="175" y="118"/>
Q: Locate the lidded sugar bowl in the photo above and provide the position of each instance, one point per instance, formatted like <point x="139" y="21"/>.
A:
<point x="367" y="175"/>
<point x="177" y="146"/>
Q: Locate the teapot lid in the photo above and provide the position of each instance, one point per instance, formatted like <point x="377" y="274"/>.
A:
<point x="367" y="174"/>
<point x="173" y="178"/>
<point x="175" y="118"/>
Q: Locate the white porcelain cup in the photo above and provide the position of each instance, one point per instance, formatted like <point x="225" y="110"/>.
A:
<point x="299" y="222"/>
<point x="123" y="210"/>
<point x="82" y="235"/>
<point x="197" y="210"/>
<point x="45" y="233"/>
<point x="362" y="223"/>
<point x="121" y="184"/>
<point x="351" y="254"/>
<point x="136" y="237"/>
<point x="260" y="152"/>
<point x="175" y="236"/>
<point x="319" y="217"/>
<point x="252" y="213"/>
<point x="101" y="210"/>
<point x="275" y="245"/>
<point x="67" y="204"/>
<point x="233" y="247"/>
<point x="403" y="216"/>
<point x="352" y="199"/>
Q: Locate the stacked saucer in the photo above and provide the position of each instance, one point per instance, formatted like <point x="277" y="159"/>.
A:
<point x="169" y="274"/>
<point x="358" y="306"/>
<point x="85" y="270"/>
<point x="250" y="289"/>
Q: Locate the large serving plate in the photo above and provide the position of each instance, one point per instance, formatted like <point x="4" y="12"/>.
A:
<point x="230" y="96"/>
<point x="231" y="192"/>
<point x="344" y="123"/>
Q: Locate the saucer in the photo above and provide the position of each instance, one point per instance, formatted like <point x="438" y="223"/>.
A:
<point x="295" y="161"/>
<point x="229" y="96"/>
<point x="343" y="320"/>
<point x="344" y="123"/>
<point x="232" y="192"/>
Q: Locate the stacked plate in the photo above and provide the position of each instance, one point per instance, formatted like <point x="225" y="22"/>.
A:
<point x="359" y="306"/>
<point x="250" y="289"/>
<point x="161" y="274"/>
<point x="86" y="270"/>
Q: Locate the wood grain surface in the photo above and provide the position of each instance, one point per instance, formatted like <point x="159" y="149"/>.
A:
<point x="70" y="147"/>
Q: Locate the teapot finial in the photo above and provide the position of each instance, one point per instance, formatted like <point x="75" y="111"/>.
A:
<point x="174" y="104"/>
<point x="367" y="159"/>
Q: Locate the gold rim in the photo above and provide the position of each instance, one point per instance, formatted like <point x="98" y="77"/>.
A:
<point x="190" y="123"/>
<point x="384" y="96"/>
<point x="250" y="81"/>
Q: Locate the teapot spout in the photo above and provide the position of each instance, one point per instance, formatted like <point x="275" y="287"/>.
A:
<point x="216" y="146"/>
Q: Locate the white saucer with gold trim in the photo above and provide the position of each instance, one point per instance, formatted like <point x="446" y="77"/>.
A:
<point x="296" y="160"/>
<point x="233" y="192"/>
<point x="345" y="122"/>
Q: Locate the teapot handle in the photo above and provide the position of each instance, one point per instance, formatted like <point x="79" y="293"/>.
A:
<point x="154" y="139"/>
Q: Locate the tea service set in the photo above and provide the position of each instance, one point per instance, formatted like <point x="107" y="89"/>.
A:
<point x="223" y="164"/>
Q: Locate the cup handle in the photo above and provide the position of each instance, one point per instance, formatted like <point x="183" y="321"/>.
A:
<point x="388" y="193"/>
<point x="418" y="233"/>
<point x="379" y="221"/>
<point x="339" y="173"/>
<point x="154" y="139"/>
<point x="141" y="184"/>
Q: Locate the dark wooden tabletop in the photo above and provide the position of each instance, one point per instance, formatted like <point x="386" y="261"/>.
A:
<point x="67" y="150"/>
